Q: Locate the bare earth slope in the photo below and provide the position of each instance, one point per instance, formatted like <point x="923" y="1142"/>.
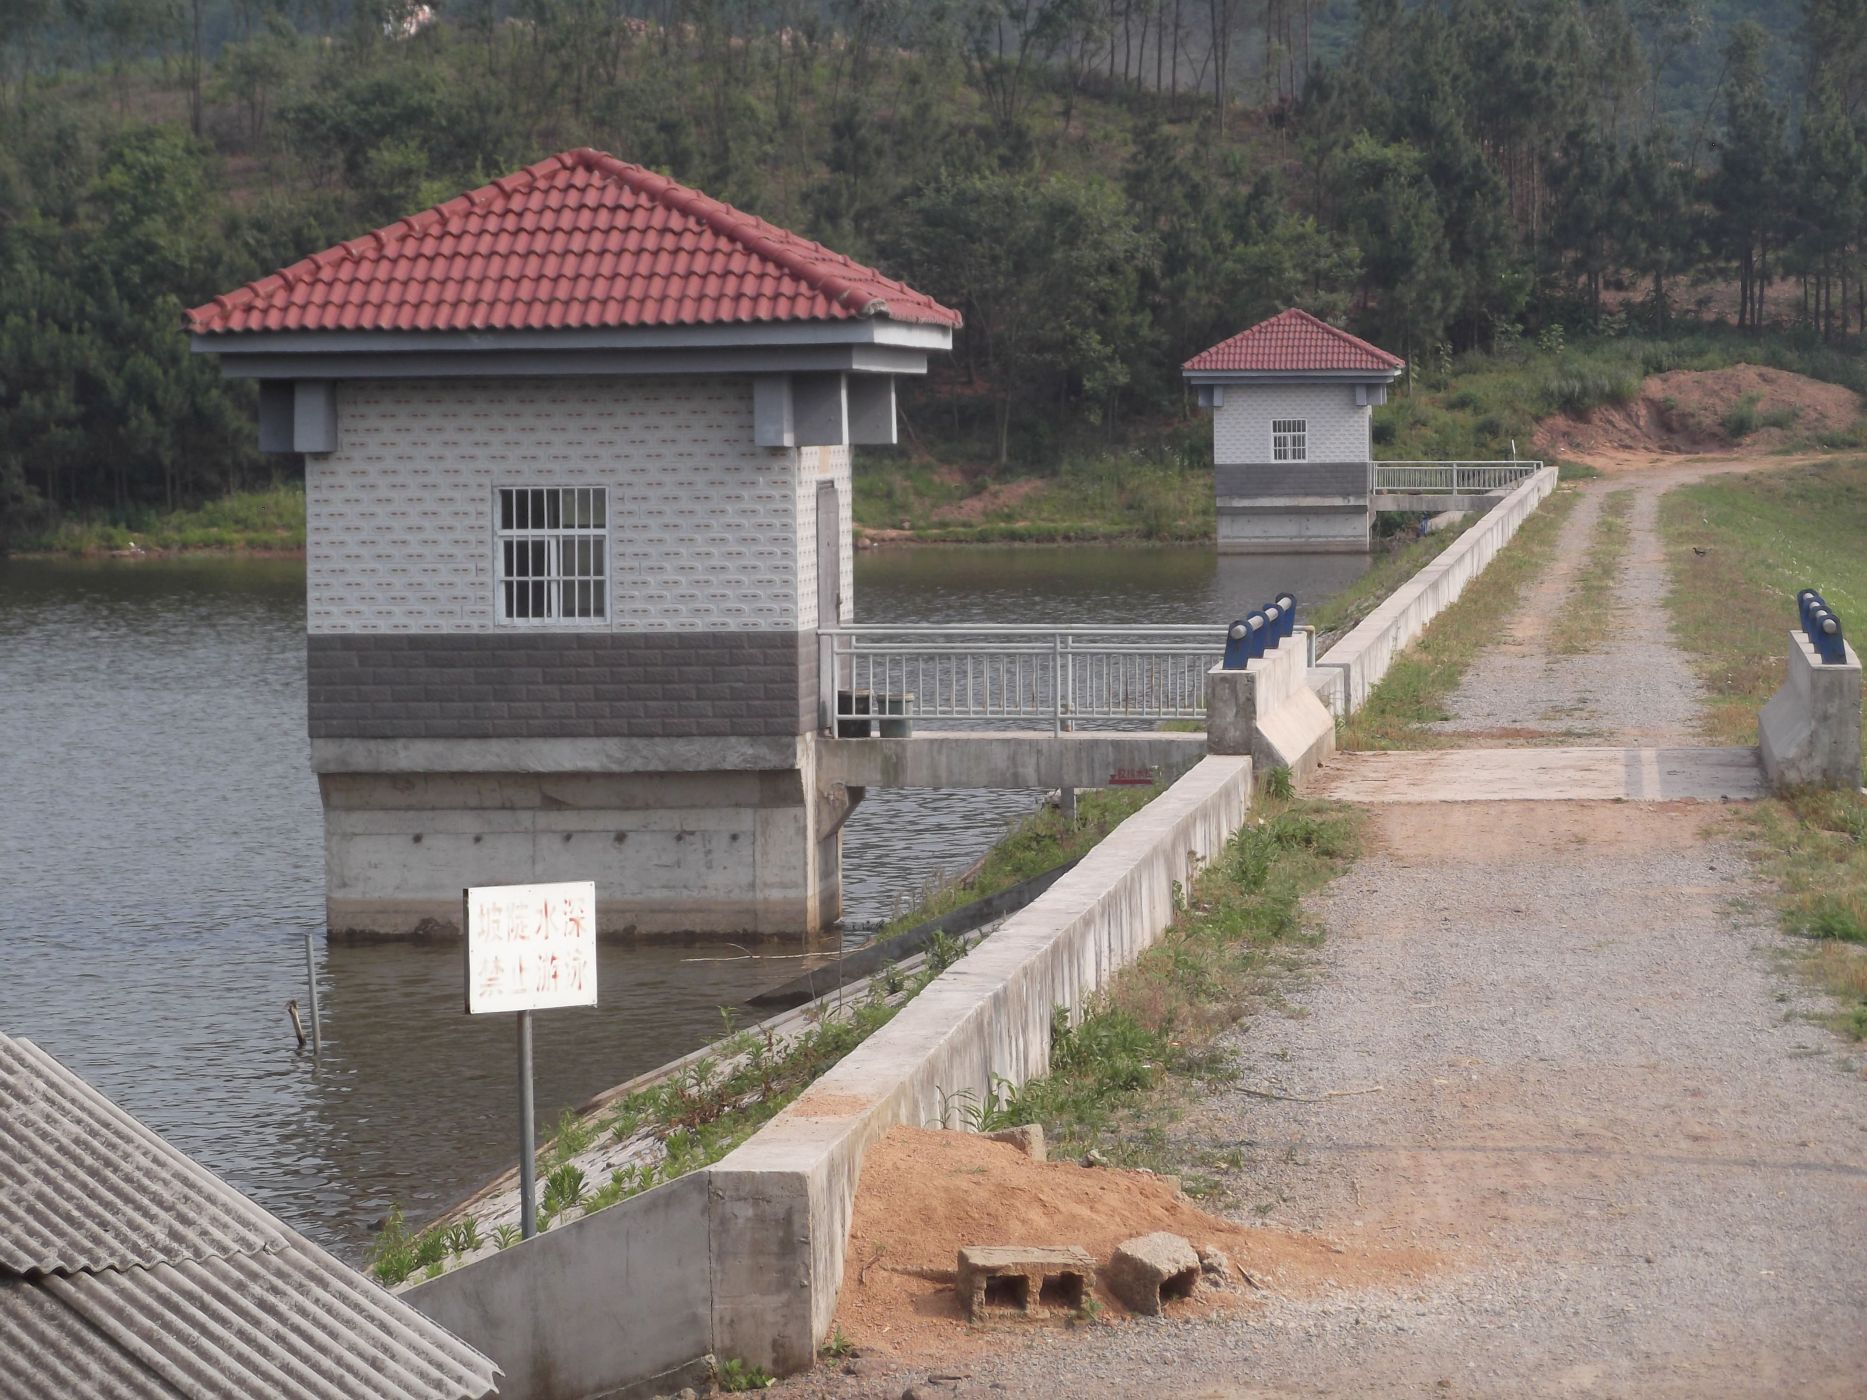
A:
<point x="1684" y="411"/>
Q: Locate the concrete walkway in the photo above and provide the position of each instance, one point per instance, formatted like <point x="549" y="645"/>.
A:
<point x="1601" y="1104"/>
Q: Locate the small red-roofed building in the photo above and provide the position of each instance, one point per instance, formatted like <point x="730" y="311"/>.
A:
<point x="577" y="487"/>
<point x="1292" y="402"/>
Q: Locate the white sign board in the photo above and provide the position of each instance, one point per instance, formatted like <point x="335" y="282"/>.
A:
<point x="531" y="947"/>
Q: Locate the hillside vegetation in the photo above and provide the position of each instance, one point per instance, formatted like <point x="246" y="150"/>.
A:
<point x="1102" y="188"/>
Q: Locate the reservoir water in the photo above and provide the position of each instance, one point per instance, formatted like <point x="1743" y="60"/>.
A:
<point x="161" y="862"/>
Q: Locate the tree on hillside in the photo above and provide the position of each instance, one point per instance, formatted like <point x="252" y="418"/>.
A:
<point x="1748" y="185"/>
<point x="1045" y="273"/>
<point x="1656" y="230"/>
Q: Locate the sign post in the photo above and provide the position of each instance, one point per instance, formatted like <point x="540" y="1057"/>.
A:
<point x="529" y="948"/>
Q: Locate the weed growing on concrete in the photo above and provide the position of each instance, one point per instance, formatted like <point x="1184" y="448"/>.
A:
<point x="392" y="1258"/>
<point x="1414" y="692"/>
<point x="572" y="1137"/>
<point x="1278" y="784"/>
<point x="1158" y="1018"/>
<point x="505" y="1236"/>
<point x="563" y="1189"/>
<point x="734" y="1375"/>
<point x="838" y="1348"/>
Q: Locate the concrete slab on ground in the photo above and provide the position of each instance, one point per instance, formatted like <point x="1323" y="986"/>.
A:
<point x="1539" y="774"/>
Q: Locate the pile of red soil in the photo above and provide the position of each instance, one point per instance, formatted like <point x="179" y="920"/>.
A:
<point x="926" y="1193"/>
<point x="1683" y="411"/>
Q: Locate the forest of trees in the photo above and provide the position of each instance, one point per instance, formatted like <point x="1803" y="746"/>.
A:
<point x="1102" y="186"/>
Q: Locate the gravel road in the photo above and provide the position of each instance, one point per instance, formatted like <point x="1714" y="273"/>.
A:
<point x="1568" y="1059"/>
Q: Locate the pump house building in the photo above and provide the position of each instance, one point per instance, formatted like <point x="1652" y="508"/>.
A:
<point x="1292" y="402"/>
<point x="577" y="482"/>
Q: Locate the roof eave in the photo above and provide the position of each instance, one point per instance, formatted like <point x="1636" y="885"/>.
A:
<point x="865" y="330"/>
<point x="1287" y="376"/>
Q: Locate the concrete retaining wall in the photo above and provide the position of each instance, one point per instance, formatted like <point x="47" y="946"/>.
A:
<point x="1362" y="657"/>
<point x="1809" y="734"/>
<point x="746" y="1259"/>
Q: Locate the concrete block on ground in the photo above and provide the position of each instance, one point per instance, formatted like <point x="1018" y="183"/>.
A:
<point x="1149" y="1271"/>
<point x="1269" y="711"/>
<point x="1028" y="1138"/>
<point x="1809" y="734"/>
<point x="1023" y="1280"/>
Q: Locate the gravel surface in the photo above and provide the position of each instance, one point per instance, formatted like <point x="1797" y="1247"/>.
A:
<point x="1556" y="1044"/>
<point x="1632" y="685"/>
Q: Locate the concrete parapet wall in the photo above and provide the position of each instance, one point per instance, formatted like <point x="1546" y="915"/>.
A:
<point x="1362" y="656"/>
<point x="1269" y="711"/>
<point x="782" y="1201"/>
<point x="1809" y="734"/>
<point x="617" y="1303"/>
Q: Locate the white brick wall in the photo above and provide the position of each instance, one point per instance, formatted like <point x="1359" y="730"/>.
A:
<point x="1338" y="430"/>
<point x="706" y="529"/>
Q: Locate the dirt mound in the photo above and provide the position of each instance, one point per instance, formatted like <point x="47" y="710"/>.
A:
<point x="925" y="1193"/>
<point x="1698" y="411"/>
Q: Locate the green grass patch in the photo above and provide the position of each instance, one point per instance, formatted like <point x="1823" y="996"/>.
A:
<point x="1422" y="678"/>
<point x="1764" y="536"/>
<point x="1160" y="490"/>
<point x="1578" y="627"/>
<point x="1149" y="1037"/>
<point x="272" y="518"/>
<point x="1040" y="841"/>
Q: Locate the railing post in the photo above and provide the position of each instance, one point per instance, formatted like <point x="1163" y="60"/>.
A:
<point x="826" y="679"/>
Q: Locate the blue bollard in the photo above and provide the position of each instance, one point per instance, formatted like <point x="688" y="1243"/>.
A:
<point x="1273" y="625"/>
<point x="1288" y="602"/>
<point x="1254" y="645"/>
<point x="1237" y="646"/>
<point x="1806" y="602"/>
<point x="1827" y="638"/>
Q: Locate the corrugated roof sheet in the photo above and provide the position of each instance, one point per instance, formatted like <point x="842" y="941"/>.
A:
<point x="128" y="1270"/>
<point x="1294" y="340"/>
<point x="580" y="240"/>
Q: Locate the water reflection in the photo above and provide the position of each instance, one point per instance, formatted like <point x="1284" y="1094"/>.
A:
<point x="161" y="860"/>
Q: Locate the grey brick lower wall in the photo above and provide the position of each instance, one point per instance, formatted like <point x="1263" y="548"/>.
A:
<point x="1293" y="479"/>
<point x="561" y="685"/>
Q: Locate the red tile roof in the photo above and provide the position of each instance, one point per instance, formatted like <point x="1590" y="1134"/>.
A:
<point x="579" y="240"/>
<point x="1294" y="340"/>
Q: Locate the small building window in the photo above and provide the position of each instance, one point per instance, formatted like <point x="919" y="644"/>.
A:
<point x="1289" y="439"/>
<point x="552" y="551"/>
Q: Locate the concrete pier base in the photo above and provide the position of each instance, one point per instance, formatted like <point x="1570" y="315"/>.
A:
<point x="1809" y="734"/>
<point x="725" y="850"/>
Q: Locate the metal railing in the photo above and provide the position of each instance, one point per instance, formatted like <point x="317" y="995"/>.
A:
<point x="1064" y="677"/>
<point x="1452" y="478"/>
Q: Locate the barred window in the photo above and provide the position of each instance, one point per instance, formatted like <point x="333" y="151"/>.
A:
<point x="552" y="550"/>
<point x="1289" y="439"/>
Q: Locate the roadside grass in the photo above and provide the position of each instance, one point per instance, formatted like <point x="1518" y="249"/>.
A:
<point x="1039" y="841"/>
<point x="1340" y="612"/>
<point x="1577" y="629"/>
<point x="1766" y="535"/>
<point x="1422" y="678"/>
<point x="1146" y="1043"/>
<point x="271" y="518"/>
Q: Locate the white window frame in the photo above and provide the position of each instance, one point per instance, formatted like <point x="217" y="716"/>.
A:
<point x="553" y="538"/>
<point x="1290" y="439"/>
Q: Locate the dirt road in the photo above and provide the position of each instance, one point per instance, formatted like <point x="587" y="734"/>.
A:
<point x="1602" y="1103"/>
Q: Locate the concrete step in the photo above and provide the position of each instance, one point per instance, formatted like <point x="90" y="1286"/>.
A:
<point x="1543" y="775"/>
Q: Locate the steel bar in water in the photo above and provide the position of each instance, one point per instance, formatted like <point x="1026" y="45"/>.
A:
<point x="317" y="1021"/>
